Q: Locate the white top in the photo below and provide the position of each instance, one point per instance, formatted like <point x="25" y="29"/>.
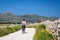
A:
<point x="23" y="22"/>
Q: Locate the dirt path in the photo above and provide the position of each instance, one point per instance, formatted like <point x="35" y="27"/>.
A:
<point x="19" y="36"/>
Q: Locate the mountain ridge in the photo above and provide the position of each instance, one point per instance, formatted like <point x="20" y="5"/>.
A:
<point x="10" y="17"/>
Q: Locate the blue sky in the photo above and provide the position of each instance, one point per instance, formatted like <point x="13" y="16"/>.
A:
<point x="46" y="8"/>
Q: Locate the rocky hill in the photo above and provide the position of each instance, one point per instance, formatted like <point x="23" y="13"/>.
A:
<point x="11" y="18"/>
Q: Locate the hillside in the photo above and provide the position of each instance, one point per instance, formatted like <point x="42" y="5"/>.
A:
<point x="11" y="18"/>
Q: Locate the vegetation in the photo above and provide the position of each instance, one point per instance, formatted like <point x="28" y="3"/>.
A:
<point x="10" y="22"/>
<point x="6" y="31"/>
<point x="42" y="34"/>
<point x="11" y="18"/>
<point x="59" y="33"/>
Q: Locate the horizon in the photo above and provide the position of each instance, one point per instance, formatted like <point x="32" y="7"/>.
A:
<point x="27" y="14"/>
<point x="46" y="8"/>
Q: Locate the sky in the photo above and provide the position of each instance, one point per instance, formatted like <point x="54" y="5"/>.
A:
<point x="46" y="8"/>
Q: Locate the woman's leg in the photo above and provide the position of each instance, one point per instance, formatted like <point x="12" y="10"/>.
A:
<point x="23" y="29"/>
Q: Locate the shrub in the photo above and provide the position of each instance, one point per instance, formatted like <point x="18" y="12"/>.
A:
<point x="59" y="33"/>
<point x="41" y="26"/>
<point x="3" y="32"/>
<point x="8" y="30"/>
<point x="42" y="34"/>
<point x="17" y="28"/>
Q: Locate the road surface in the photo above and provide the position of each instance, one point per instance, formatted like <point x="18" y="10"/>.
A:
<point x="28" y="35"/>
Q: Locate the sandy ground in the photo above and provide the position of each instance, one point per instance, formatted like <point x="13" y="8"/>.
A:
<point x="28" y="35"/>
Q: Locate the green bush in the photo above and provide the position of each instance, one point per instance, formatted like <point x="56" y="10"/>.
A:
<point x="59" y="33"/>
<point x="3" y="32"/>
<point x="8" y="30"/>
<point x="42" y="34"/>
<point x="41" y="26"/>
<point x="17" y="28"/>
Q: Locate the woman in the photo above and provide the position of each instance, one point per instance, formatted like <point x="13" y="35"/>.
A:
<point x="23" y="25"/>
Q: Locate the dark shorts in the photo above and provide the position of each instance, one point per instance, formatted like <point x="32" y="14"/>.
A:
<point x="23" y="26"/>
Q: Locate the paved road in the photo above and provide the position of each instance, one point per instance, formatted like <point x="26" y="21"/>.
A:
<point x="19" y="36"/>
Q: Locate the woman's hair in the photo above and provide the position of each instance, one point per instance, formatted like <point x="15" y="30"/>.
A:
<point x="23" y="19"/>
